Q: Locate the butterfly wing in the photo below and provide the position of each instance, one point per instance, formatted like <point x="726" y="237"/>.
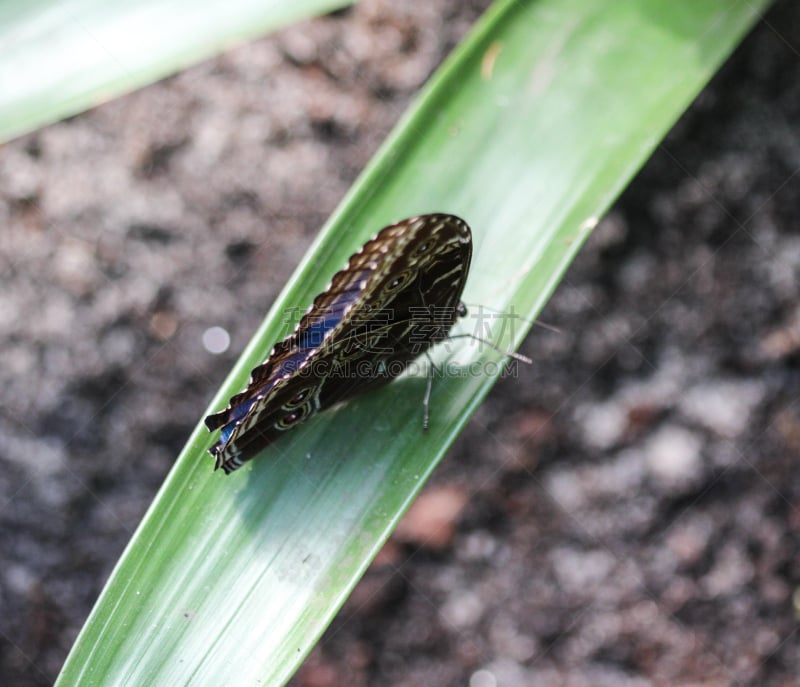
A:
<point x="396" y="297"/>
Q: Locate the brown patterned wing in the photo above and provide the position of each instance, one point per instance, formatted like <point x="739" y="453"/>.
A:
<point x="396" y="297"/>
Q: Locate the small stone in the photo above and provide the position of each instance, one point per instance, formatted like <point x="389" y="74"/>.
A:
<point x="604" y="424"/>
<point x="482" y="678"/>
<point x="20" y="579"/>
<point x="724" y="407"/>
<point x="509" y="642"/>
<point x="163" y="325"/>
<point x="578" y="571"/>
<point x="431" y="520"/>
<point x="732" y="571"/>
<point x="391" y="554"/>
<point x="689" y="541"/>
<point x="463" y="609"/>
<point x="673" y="455"/>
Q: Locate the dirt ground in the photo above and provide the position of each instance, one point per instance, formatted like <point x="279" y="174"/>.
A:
<point x="624" y="513"/>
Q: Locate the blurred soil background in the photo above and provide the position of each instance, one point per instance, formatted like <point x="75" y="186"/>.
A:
<point x="624" y="513"/>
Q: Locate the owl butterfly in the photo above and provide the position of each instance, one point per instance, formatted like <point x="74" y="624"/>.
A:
<point x="398" y="296"/>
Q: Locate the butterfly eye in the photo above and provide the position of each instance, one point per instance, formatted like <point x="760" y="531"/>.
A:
<point x="422" y="248"/>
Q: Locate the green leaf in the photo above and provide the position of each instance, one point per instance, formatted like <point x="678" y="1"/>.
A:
<point x="63" y="56"/>
<point x="529" y="132"/>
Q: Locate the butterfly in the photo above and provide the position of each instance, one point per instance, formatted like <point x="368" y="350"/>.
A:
<point x="396" y="297"/>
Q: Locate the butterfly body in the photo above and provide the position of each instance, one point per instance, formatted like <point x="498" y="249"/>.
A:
<point x="396" y="297"/>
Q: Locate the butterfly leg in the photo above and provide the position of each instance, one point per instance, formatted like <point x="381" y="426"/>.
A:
<point x="426" y="399"/>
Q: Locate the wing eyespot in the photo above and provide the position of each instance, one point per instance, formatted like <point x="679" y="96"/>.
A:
<point x="297" y="399"/>
<point x="398" y="282"/>
<point x="292" y="418"/>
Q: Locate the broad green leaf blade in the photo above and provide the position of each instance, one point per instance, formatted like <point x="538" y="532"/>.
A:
<point x="60" y="57"/>
<point x="528" y="132"/>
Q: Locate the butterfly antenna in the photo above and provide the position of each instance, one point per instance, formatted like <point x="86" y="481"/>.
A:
<point x="548" y="327"/>
<point x="504" y="351"/>
<point x="533" y="323"/>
